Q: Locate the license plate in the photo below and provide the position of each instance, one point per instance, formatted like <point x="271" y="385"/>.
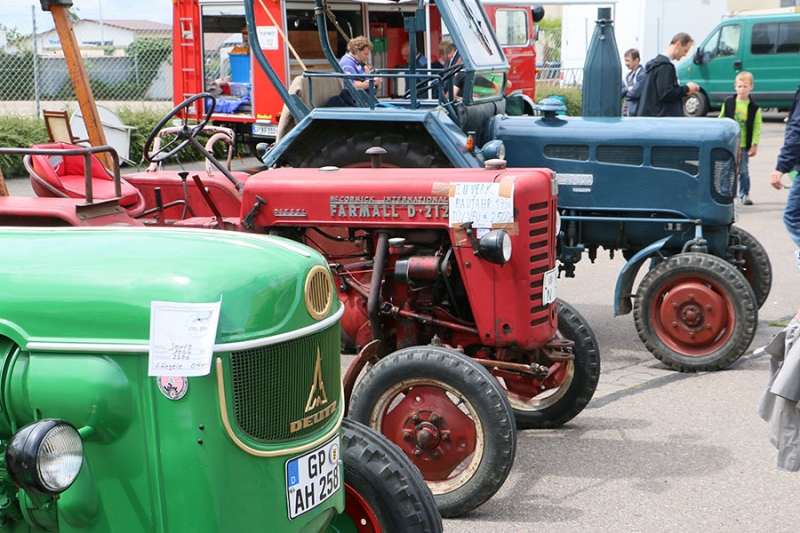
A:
<point x="549" y="294"/>
<point x="312" y="478"/>
<point x="265" y="131"/>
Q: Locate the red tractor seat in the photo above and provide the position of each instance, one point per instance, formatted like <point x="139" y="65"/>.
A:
<point x="63" y="176"/>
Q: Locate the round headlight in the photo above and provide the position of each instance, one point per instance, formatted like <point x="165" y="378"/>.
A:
<point x="45" y="457"/>
<point x="495" y="247"/>
<point x="494" y="150"/>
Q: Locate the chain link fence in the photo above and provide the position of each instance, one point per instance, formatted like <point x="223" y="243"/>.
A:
<point x="548" y="58"/>
<point x="128" y="62"/>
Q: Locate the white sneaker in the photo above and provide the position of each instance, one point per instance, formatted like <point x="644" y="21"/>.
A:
<point x="746" y="200"/>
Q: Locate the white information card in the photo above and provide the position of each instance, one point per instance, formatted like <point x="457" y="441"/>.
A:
<point x="182" y="338"/>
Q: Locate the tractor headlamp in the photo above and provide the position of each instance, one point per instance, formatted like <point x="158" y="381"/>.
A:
<point x="45" y="457"/>
<point x="495" y="247"/>
<point x="494" y="150"/>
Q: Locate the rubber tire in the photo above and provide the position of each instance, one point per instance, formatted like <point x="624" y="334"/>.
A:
<point x="757" y="268"/>
<point x="477" y="386"/>
<point x="571" y="326"/>
<point x="387" y="481"/>
<point x="736" y="291"/>
<point x="696" y="105"/>
<point x="401" y="151"/>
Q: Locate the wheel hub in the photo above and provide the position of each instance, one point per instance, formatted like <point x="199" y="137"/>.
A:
<point x="693" y="314"/>
<point x="433" y="431"/>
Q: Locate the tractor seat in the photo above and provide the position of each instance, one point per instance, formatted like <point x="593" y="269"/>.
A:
<point x="57" y="175"/>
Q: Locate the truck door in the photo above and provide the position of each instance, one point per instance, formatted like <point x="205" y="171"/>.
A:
<point x="722" y="60"/>
<point x="514" y="28"/>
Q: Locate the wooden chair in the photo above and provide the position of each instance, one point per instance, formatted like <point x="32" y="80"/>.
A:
<point x="58" y="128"/>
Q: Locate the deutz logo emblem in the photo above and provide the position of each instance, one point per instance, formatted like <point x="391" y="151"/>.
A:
<point x="317" y="396"/>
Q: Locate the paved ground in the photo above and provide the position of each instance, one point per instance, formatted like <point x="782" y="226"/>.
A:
<point x="656" y="450"/>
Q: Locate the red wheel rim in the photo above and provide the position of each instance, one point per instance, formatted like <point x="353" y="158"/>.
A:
<point x="432" y="430"/>
<point x="692" y="315"/>
<point x="359" y="511"/>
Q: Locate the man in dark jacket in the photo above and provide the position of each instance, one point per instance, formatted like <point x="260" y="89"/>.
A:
<point x="662" y="95"/>
<point x="789" y="161"/>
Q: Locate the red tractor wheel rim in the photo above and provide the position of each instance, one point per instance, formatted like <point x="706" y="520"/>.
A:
<point x="692" y="316"/>
<point x="433" y="430"/>
<point x="359" y="511"/>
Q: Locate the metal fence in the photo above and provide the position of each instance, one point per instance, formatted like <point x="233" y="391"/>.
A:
<point x="125" y="61"/>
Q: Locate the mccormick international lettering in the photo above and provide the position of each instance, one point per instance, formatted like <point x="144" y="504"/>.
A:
<point x="389" y="207"/>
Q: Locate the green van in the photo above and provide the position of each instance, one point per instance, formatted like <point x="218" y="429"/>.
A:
<point x="767" y="45"/>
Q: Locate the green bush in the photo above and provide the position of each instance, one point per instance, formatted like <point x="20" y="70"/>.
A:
<point x="572" y="95"/>
<point x="19" y="132"/>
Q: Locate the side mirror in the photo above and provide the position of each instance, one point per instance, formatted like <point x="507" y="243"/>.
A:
<point x="538" y="13"/>
<point x="536" y="33"/>
<point x="699" y="57"/>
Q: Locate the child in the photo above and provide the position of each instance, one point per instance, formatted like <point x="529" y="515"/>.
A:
<point x="746" y="112"/>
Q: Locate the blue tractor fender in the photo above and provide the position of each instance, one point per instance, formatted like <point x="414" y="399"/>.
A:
<point x="624" y="288"/>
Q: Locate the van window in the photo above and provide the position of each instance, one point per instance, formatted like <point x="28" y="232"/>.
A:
<point x="512" y="26"/>
<point x="724" y="42"/>
<point x="776" y="38"/>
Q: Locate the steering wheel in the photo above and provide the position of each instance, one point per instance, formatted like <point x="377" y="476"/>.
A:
<point x="445" y="75"/>
<point x="185" y="134"/>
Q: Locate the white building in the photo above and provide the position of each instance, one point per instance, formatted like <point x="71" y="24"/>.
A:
<point x="96" y="38"/>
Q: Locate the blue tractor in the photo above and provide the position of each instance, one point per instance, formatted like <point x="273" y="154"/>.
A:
<point x="659" y="191"/>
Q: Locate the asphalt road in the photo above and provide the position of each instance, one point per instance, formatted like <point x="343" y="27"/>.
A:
<point x="656" y="450"/>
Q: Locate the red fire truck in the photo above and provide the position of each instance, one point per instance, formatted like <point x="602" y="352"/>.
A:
<point x="207" y="34"/>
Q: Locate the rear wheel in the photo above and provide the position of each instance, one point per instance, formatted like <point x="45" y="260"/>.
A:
<point x="695" y="105"/>
<point x="757" y="269"/>
<point x="695" y="312"/>
<point x="449" y="415"/>
<point x="401" y="151"/>
<point x="569" y="385"/>
<point x="384" y="492"/>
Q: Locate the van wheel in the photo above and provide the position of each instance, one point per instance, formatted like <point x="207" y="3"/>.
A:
<point x="384" y="491"/>
<point x="695" y="105"/>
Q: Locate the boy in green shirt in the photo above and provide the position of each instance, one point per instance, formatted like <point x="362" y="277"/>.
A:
<point x="746" y="112"/>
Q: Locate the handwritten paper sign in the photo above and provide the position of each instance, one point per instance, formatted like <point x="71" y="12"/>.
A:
<point x="182" y="338"/>
<point x="267" y="37"/>
<point x="483" y="204"/>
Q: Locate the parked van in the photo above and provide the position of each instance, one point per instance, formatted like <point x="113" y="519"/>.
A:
<point x="767" y="45"/>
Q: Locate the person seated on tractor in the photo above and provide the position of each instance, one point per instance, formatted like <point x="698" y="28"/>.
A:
<point x="356" y="61"/>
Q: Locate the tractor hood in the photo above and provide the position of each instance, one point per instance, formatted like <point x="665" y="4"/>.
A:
<point x="73" y="286"/>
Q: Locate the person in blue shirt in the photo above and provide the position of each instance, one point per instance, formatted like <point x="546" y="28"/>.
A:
<point x="356" y="61"/>
<point x="632" y="84"/>
<point x="789" y="163"/>
<point x="421" y="62"/>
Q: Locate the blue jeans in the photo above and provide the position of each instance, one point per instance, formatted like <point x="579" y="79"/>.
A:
<point x="791" y="214"/>
<point x="744" y="173"/>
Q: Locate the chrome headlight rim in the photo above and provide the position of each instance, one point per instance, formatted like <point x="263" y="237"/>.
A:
<point x="495" y="247"/>
<point x="45" y="457"/>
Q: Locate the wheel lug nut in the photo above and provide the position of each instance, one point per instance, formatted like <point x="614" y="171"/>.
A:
<point x="435" y="418"/>
<point x="691" y="297"/>
<point x="435" y="454"/>
<point x="708" y="307"/>
<point x="417" y="452"/>
<point x="674" y="305"/>
<point x="407" y="435"/>
<point x="674" y="324"/>
<point x="691" y="334"/>
<point x="446" y="437"/>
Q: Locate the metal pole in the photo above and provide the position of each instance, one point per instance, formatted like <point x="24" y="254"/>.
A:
<point x="35" y="65"/>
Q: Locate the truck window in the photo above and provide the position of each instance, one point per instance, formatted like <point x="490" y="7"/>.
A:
<point x="724" y="42"/>
<point x="776" y="38"/>
<point x="512" y="27"/>
<point x="789" y="37"/>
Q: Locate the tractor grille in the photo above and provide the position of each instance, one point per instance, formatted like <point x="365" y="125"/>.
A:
<point x="723" y="176"/>
<point x="621" y="155"/>
<point x="567" y="151"/>
<point x="683" y="158"/>
<point x="272" y="386"/>
<point x="319" y="292"/>
<point x="539" y="225"/>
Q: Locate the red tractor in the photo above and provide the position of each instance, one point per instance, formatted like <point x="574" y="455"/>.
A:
<point x="451" y="271"/>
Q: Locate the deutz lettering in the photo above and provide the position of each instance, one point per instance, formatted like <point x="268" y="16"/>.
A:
<point x="316" y="418"/>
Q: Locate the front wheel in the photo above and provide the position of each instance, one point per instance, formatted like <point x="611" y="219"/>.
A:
<point x="569" y="385"/>
<point x="695" y="105"/>
<point x="384" y="491"/>
<point x="449" y="416"/>
<point x="755" y="264"/>
<point x="695" y="312"/>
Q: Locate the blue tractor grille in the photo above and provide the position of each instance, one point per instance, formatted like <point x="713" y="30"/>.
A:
<point x="723" y="176"/>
